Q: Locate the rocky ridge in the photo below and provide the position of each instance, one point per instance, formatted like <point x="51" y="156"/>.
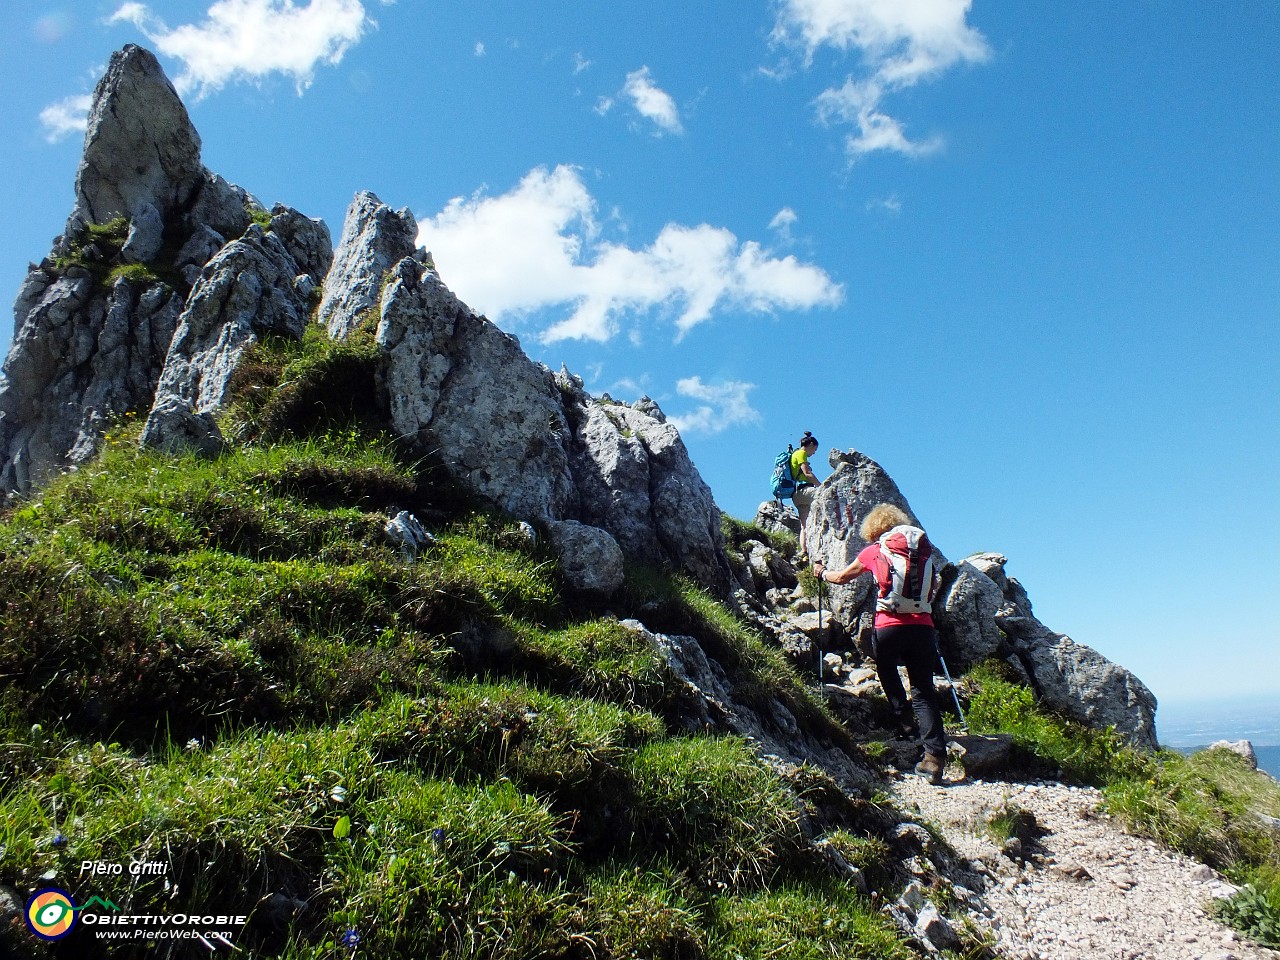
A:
<point x="606" y="483"/>
<point x="166" y="274"/>
<point x="97" y="316"/>
<point x="980" y="610"/>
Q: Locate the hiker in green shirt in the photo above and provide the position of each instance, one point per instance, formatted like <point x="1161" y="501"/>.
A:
<point x="806" y="483"/>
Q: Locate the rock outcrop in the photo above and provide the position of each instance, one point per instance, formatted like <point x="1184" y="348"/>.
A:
<point x="141" y="153"/>
<point x="374" y="239"/>
<point x="250" y="288"/>
<point x="980" y="611"/>
<point x="166" y="274"/>
<point x="95" y="318"/>
<point x="533" y="442"/>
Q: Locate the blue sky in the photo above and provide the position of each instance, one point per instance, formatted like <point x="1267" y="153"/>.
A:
<point x="1026" y="257"/>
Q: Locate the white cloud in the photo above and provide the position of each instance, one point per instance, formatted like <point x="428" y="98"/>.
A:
<point x="783" y="219"/>
<point x="66" y="117"/>
<point x="580" y="63"/>
<point x="250" y="39"/>
<point x="541" y="227"/>
<point x="479" y="49"/>
<point x="652" y="102"/>
<point x="782" y="223"/>
<point x="552" y="256"/>
<point x="724" y="405"/>
<point x="858" y="104"/>
<point x="900" y="43"/>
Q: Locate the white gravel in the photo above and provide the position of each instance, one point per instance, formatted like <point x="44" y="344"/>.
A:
<point x="1086" y="889"/>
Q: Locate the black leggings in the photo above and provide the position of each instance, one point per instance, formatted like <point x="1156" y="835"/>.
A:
<point x="914" y="646"/>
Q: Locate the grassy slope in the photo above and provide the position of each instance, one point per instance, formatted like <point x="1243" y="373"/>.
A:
<point x="221" y="667"/>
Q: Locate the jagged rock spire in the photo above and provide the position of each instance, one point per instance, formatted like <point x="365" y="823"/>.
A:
<point x="92" y="337"/>
<point x="140" y="148"/>
<point x="374" y="239"/>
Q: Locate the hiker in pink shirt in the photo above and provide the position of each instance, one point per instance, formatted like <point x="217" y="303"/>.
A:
<point x="899" y="556"/>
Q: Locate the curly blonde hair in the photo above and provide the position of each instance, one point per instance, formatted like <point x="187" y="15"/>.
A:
<point x="882" y="518"/>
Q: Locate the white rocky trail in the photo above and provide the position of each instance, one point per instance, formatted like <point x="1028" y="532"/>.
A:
<point x="1085" y="888"/>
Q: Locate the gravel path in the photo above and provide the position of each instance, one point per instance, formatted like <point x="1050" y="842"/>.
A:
<point x="1085" y="888"/>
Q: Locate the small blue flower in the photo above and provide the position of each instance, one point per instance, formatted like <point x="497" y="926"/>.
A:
<point x="59" y="840"/>
<point x="351" y="939"/>
<point x="438" y="834"/>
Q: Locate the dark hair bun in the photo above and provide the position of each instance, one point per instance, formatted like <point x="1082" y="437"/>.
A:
<point x="808" y="438"/>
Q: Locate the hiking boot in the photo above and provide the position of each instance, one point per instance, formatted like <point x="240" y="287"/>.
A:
<point x="931" y="767"/>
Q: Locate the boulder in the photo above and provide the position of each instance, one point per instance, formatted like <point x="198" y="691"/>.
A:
<point x="935" y="929"/>
<point x="173" y="427"/>
<point x="591" y="561"/>
<point x="1241" y="748"/>
<point x="986" y="756"/>
<point x="632" y="476"/>
<point x="965" y="615"/>
<point x="406" y="534"/>
<point x="1081" y="683"/>
<point x="857" y="483"/>
<point x="1070" y="677"/>
<point x="768" y="569"/>
<point x="773" y="516"/>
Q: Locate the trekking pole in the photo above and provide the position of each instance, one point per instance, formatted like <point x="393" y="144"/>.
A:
<point x="951" y="683"/>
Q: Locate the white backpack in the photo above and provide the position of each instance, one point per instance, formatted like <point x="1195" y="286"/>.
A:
<point x="913" y="580"/>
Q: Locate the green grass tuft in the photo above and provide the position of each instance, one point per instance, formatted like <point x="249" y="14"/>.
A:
<point x="737" y="532"/>
<point x="1085" y="755"/>
<point x="1012" y="821"/>
<point x="712" y="805"/>
<point x="1255" y="910"/>
<point x="803" y="922"/>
